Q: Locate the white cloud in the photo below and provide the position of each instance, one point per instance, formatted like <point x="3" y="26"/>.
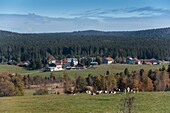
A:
<point x="123" y="13"/>
<point x="35" y="23"/>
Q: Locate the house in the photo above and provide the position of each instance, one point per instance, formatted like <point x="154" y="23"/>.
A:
<point x="148" y="63"/>
<point x="52" y="61"/>
<point x="137" y="61"/>
<point x="67" y="62"/>
<point x="64" y="60"/>
<point x="152" y="61"/>
<point x="23" y="64"/>
<point x="75" y="61"/>
<point x="107" y="60"/>
<point x="56" y="66"/>
<point x="130" y="60"/>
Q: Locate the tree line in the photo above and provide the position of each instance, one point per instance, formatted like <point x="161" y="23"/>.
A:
<point x="153" y="80"/>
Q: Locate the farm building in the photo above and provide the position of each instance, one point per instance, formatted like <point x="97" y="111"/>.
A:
<point x="107" y="60"/>
<point x="56" y="65"/>
<point x="133" y="61"/>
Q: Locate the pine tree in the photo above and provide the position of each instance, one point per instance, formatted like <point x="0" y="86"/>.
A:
<point x="163" y="68"/>
<point x="107" y="73"/>
<point x="126" y="71"/>
<point x="72" y="62"/>
<point x="67" y="87"/>
<point x="81" y="84"/>
<point x="141" y="72"/>
<point x="168" y="70"/>
<point x="98" y="60"/>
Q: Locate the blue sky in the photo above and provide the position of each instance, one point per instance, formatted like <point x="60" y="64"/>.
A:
<point x="106" y="15"/>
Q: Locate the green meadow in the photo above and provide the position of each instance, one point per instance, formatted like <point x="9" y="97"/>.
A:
<point x="100" y="69"/>
<point x="145" y="102"/>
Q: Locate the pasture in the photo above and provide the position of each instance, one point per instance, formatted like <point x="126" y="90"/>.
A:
<point x="100" y="69"/>
<point x="145" y="102"/>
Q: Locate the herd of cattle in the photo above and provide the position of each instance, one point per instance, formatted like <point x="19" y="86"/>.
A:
<point x="126" y="90"/>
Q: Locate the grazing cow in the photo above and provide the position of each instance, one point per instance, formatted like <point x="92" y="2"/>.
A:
<point x="125" y="90"/>
<point x="135" y="90"/>
<point x="110" y="92"/>
<point x="99" y="92"/>
<point x="89" y="89"/>
<point x="93" y="93"/>
<point x="88" y="92"/>
<point x="105" y="92"/>
<point x="117" y="90"/>
<point x="128" y="89"/>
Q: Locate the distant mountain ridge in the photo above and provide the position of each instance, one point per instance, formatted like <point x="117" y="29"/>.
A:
<point x="160" y="32"/>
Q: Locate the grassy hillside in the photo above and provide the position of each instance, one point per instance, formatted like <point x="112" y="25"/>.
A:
<point x="154" y="102"/>
<point x="114" y="68"/>
<point x="15" y="69"/>
<point x="101" y="69"/>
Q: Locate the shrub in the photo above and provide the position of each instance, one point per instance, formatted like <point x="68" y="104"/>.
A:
<point x="11" y="85"/>
<point x="42" y="91"/>
<point x="128" y="104"/>
<point x="7" y="88"/>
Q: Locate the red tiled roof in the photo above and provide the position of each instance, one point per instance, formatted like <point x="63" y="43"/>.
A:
<point x="59" y="62"/>
<point x="136" y="59"/>
<point x="109" y="59"/>
<point x="65" y="60"/>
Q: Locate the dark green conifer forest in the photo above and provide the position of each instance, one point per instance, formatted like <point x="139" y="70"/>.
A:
<point x="153" y="43"/>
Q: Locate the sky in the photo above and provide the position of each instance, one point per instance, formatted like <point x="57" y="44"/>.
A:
<point x="76" y="15"/>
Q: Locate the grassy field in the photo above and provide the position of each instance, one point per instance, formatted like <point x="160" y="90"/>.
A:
<point x="154" y="102"/>
<point x="114" y="68"/>
<point x="15" y="69"/>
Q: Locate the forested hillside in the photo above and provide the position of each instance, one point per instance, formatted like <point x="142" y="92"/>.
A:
<point x="163" y="32"/>
<point x="142" y="44"/>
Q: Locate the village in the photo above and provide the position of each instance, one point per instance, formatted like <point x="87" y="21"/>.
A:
<point x="76" y="64"/>
<point x="84" y="63"/>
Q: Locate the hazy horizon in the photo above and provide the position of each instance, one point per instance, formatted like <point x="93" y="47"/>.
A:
<point x="46" y="16"/>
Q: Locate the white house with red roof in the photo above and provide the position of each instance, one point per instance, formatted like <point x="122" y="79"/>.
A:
<point x="107" y="60"/>
<point x="137" y="60"/>
<point x="56" y="65"/>
<point x="67" y="62"/>
<point x="130" y="60"/>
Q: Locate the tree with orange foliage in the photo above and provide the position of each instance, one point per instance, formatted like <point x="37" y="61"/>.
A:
<point x="148" y="85"/>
